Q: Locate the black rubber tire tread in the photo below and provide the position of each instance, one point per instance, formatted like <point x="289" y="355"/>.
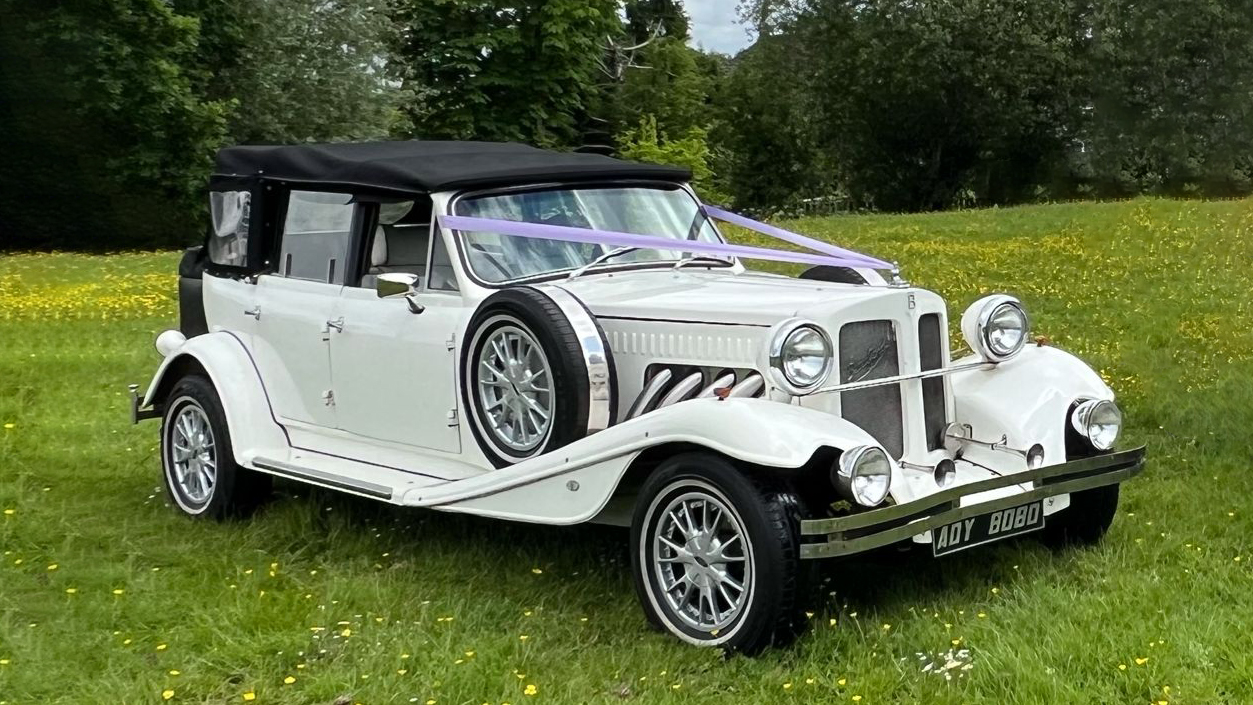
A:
<point x="238" y="491"/>
<point x="831" y="273"/>
<point x="1085" y="522"/>
<point x="771" y="517"/>
<point x="550" y="327"/>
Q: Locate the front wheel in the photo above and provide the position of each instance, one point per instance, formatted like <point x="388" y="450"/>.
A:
<point x="716" y="557"/>
<point x="1086" y="521"/>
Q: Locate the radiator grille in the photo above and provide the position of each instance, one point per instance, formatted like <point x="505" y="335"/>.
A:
<point x="868" y="351"/>
<point x="931" y="355"/>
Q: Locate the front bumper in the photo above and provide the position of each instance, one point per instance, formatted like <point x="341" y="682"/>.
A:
<point x="888" y="525"/>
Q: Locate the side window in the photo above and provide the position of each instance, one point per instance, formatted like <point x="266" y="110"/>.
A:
<point x="442" y="277"/>
<point x="317" y="236"/>
<point x="228" y="243"/>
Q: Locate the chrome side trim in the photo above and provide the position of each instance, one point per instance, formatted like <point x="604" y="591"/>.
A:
<point x="748" y="387"/>
<point x="722" y="382"/>
<point x="651" y="390"/>
<point x="320" y="477"/>
<point x="682" y="390"/>
<point x="902" y="378"/>
<point x="595" y="357"/>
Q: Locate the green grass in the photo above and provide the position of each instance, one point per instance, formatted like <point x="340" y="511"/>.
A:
<point x="382" y="605"/>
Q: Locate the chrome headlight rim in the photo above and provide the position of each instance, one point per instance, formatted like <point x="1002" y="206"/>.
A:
<point x="980" y="339"/>
<point x="1081" y="421"/>
<point x="783" y="333"/>
<point x="853" y="464"/>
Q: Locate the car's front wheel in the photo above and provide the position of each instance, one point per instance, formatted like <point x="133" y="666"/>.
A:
<point x="201" y="476"/>
<point x="715" y="556"/>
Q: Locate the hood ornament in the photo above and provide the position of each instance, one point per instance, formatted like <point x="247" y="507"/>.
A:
<point x="897" y="282"/>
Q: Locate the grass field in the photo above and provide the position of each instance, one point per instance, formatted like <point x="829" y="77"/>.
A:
<point x="107" y="595"/>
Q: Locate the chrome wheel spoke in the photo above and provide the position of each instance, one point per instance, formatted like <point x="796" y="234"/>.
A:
<point x="192" y="455"/>
<point x="518" y="414"/>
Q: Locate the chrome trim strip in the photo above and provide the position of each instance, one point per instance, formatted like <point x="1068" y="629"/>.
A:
<point x="880" y="527"/>
<point x="323" y="478"/>
<point x="595" y="357"/>
<point x="748" y="387"/>
<point x="650" y="392"/>
<point x="686" y="386"/>
<point x="727" y="380"/>
<point x="905" y="377"/>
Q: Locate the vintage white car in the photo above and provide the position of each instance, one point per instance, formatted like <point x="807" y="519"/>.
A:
<point x="561" y="338"/>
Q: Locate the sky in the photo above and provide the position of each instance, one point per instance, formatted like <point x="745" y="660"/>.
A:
<point x="716" y="27"/>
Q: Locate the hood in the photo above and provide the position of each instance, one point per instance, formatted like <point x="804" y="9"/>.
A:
<point x="702" y="296"/>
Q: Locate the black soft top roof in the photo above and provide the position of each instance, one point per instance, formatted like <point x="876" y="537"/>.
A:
<point x="423" y="166"/>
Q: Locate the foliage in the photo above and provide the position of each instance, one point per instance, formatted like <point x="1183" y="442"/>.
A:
<point x="663" y="18"/>
<point x="645" y="143"/>
<point x="106" y="143"/>
<point x="328" y="589"/>
<point x="666" y="83"/>
<point x="524" y="73"/>
<point x="298" y="70"/>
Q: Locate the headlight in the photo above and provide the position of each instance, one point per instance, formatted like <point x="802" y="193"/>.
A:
<point x="800" y="356"/>
<point x="995" y="327"/>
<point x="1099" y="421"/>
<point x="863" y="475"/>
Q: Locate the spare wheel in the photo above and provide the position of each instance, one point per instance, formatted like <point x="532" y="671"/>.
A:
<point x="536" y="373"/>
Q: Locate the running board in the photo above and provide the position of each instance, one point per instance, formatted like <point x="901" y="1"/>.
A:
<point x="326" y="479"/>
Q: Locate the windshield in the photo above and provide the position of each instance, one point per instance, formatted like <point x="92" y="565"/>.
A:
<point x="666" y="212"/>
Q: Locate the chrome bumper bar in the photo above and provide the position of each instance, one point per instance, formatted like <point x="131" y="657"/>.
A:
<point x="888" y="525"/>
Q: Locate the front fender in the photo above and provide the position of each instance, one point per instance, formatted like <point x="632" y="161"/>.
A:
<point x="573" y="483"/>
<point x="1027" y="399"/>
<point x="238" y="383"/>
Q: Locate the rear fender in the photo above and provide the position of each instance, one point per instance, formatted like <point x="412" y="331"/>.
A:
<point x="228" y="365"/>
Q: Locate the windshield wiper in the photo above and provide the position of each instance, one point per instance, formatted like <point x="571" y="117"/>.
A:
<point x="616" y="252"/>
<point x="700" y="258"/>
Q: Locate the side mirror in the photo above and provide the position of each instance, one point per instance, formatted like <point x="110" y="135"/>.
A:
<point x="399" y="284"/>
<point x="395" y="284"/>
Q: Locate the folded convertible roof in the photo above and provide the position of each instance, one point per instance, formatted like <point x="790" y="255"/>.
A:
<point x="427" y="166"/>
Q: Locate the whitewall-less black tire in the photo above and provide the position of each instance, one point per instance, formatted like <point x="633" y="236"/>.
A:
<point x="715" y="556"/>
<point x="536" y="374"/>
<point x="198" y="464"/>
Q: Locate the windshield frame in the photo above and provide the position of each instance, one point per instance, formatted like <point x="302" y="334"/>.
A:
<point x="458" y="236"/>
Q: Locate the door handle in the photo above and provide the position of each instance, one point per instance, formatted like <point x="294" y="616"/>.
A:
<point x="255" y="312"/>
<point x="337" y="324"/>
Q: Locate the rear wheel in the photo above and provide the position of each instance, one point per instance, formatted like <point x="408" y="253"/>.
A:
<point x="201" y="476"/>
<point x="716" y="557"/>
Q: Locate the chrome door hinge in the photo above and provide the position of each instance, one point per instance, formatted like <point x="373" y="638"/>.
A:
<point x="451" y="343"/>
<point x="328" y="397"/>
<point x="255" y="312"/>
<point x="452" y="417"/>
<point x="337" y="324"/>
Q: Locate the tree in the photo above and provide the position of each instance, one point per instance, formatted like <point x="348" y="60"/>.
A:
<point x="526" y="72"/>
<point x="646" y="19"/>
<point x="298" y="70"/>
<point x="106" y="143"/>
<point x="666" y="83"/>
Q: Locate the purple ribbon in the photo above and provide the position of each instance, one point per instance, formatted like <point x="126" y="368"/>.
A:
<point x="794" y="238"/>
<point x="653" y="242"/>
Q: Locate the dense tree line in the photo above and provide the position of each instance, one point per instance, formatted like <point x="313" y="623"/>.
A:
<point x="111" y="110"/>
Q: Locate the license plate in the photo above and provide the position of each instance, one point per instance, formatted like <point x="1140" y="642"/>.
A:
<point x="986" y="528"/>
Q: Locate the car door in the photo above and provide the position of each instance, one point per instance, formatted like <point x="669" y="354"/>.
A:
<point x="393" y="370"/>
<point x="294" y="306"/>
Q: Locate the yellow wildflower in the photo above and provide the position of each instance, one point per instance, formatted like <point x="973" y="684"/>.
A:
<point x="289" y="680"/>
<point x="167" y="694"/>
<point x="531" y="689"/>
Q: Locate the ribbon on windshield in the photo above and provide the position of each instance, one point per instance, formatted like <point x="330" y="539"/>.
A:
<point x="653" y="242"/>
<point x="794" y="238"/>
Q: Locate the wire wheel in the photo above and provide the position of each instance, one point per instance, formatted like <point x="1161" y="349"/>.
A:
<point x="515" y="387"/>
<point x="701" y="558"/>
<point x="192" y="452"/>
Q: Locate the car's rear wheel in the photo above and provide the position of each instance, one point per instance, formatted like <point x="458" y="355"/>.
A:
<point x="715" y="556"/>
<point x="201" y="476"/>
<point x="535" y="375"/>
